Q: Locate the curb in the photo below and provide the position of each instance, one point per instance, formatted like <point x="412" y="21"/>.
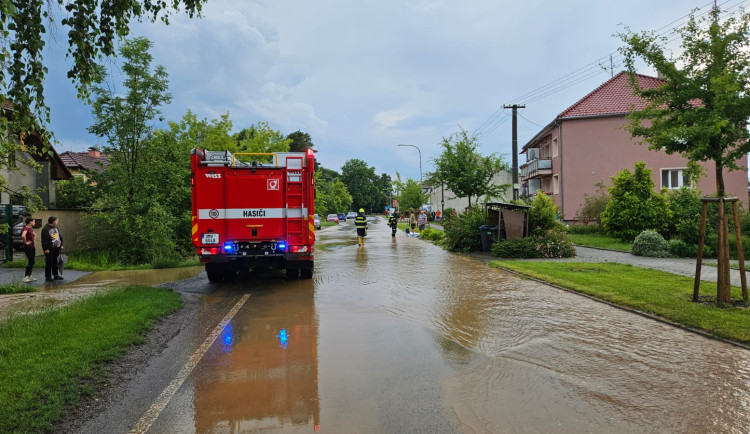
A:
<point x="627" y="309"/>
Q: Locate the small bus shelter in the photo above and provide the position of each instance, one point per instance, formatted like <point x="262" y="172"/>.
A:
<point x="511" y="220"/>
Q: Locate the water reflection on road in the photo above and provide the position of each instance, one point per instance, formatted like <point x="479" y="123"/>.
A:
<point x="400" y="336"/>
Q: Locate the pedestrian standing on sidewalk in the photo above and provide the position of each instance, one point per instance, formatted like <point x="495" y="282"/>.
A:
<point x="51" y="244"/>
<point x="422" y="220"/>
<point x="28" y="236"/>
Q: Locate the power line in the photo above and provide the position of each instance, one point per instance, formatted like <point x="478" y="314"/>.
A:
<point x="594" y="68"/>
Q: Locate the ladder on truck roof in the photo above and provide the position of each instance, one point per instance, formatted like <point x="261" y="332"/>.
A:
<point x="295" y="210"/>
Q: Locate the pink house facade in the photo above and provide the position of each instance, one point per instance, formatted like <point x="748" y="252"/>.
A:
<point x="587" y="144"/>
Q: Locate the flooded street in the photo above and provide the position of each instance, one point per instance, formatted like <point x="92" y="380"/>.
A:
<point x="401" y="336"/>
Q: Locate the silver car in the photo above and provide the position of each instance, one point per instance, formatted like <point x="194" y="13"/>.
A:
<point x="316" y="221"/>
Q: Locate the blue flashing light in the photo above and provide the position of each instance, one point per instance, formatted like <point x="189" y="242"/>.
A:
<point x="283" y="338"/>
<point x="227" y="338"/>
<point x="228" y="247"/>
<point x="281" y="246"/>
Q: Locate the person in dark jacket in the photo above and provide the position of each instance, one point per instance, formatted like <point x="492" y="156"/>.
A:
<point x="360" y="222"/>
<point x="393" y="223"/>
<point x="51" y="244"/>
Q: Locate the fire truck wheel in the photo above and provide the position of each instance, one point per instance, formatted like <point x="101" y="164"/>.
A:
<point x="292" y="273"/>
<point x="306" y="273"/>
<point x="214" y="272"/>
<point x="230" y="274"/>
<point x="214" y="276"/>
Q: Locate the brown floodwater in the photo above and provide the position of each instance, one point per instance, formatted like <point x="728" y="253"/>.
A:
<point x="401" y="336"/>
<point x="66" y="291"/>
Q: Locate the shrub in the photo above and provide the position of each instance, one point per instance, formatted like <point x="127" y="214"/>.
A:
<point x="521" y="248"/>
<point x="650" y="243"/>
<point x="553" y="244"/>
<point x="680" y="248"/>
<point x="685" y="206"/>
<point x="594" y="205"/>
<point x="634" y="206"/>
<point x="543" y="213"/>
<point x="431" y="234"/>
<point x="462" y="232"/>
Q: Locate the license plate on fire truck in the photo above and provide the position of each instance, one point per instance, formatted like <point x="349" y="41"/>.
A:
<point x="210" y="238"/>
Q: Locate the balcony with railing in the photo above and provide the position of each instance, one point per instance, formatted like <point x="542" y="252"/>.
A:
<point x="536" y="168"/>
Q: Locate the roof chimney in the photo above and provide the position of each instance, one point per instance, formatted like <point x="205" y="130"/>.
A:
<point x="94" y="152"/>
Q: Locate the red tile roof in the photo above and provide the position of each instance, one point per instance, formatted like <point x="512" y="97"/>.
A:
<point x="82" y="160"/>
<point x="615" y="96"/>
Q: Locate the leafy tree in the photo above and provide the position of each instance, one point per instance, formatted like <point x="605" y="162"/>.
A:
<point x="299" y="141"/>
<point x="385" y="189"/>
<point x="328" y="174"/>
<point x="213" y="135"/>
<point x="465" y="171"/>
<point x="76" y="193"/>
<point x="362" y="183"/>
<point x="261" y="138"/>
<point x="409" y="194"/>
<point x="702" y="109"/>
<point x="145" y="201"/>
<point x="93" y="27"/>
<point x="126" y="121"/>
<point x="634" y="206"/>
<point x="331" y="196"/>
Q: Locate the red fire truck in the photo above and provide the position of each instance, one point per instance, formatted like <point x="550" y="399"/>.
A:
<point x="253" y="210"/>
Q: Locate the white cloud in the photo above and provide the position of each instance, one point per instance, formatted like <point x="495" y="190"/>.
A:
<point x="363" y="76"/>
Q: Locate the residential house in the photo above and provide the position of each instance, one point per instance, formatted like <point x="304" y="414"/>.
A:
<point x="79" y="163"/>
<point x="587" y="144"/>
<point x="39" y="181"/>
<point x="441" y="197"/>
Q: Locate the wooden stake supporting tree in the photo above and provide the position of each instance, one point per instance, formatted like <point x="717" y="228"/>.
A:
<point x="723" y="282"/>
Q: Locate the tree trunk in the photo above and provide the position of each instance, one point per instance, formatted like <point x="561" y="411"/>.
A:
<point x="723" y="285"/>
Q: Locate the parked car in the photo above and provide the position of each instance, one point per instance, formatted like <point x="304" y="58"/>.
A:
<point x="332" y="218"/>
<point x="351" y="215"/>
<point x="342" y="217"/>
<point x="19" y="213"/>
<point x="17" y="240"/>
<point x="316" y="221"/>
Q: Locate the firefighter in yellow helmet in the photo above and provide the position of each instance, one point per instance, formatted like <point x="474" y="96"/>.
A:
<point x="360" y="222"/>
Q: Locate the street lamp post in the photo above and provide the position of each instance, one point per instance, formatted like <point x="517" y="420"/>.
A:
<point x="420" y="163"/>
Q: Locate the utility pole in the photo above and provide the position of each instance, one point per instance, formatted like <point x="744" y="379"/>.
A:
<point x="514" y="151"/>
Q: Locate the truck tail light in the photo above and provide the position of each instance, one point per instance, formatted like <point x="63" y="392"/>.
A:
<point x="209" y="251"/>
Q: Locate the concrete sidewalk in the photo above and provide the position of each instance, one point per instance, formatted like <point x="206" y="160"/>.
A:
<point x="11" y="275"/>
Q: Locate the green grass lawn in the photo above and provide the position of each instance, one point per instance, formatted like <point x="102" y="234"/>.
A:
<point x="104" y="260"/>
<point x="600" y="241"/>
<point x="48" y="360"/>
<point x="16" y="287"/>
<point x="656" y="292"/>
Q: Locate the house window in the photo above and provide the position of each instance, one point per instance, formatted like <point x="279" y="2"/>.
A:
<point x="556" y="184"/>
<point x="554" y="147"/>
<point x="674" y="178"/>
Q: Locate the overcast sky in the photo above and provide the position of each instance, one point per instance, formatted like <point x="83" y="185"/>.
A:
<point x="362" y="76"/>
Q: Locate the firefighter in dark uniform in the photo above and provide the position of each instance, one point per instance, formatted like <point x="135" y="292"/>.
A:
<point x="393" y="223"/>
<point x="360" y="222"/>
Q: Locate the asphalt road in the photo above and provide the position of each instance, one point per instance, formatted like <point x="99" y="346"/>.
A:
<point x="401" y="336"/>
